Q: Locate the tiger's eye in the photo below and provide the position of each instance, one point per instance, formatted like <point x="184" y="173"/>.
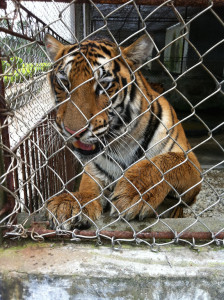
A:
<point x="103" y="86"/>
<point x="62" y="79"/>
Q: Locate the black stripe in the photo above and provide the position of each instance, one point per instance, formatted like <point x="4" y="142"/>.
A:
<point x="127" y="114"/>
<point x="115" y="97"/>
<point x="107" y="43"/>
<point x="97" y="55"/>
<point x="111" y="178"/>
<point x="106" y="50"/>
<point x="118" y="124"/>
<point x="168" y="138"/>
<point x="174" y="142"/>
<point x="117" y="79"/>
<point x="133" y="92"/>
<point x="62" y="53"/>
<point x="98" y="89"/>
<point x="87" y="70"/>
<point x="172" y="130"/>
<point x="124" y="83"/>
<point x="150" y="130"/>
<point x="152" y="126"/>
<point x="96" y="64"/>
<point x="90" y="44"/>
<point x="117" y="67"/>
<point x="72" y="49"/>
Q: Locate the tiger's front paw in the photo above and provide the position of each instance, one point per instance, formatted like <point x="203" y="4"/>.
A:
<point x="130" y="201"/>
<point x="69" y="211"/>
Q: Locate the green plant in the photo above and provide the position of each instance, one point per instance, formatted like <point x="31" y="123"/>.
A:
<point x="22" y="71"/>
<point x="17" y="61"/>
<point x="5" y="66"/>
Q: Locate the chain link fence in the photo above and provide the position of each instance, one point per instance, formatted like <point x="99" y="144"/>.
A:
<point x="37" y="161"/>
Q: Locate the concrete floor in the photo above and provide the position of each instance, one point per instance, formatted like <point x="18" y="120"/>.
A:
<point x="61" y="272"/>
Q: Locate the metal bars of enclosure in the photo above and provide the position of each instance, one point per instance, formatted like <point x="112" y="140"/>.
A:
<point x="37" y="28"/>
<point x="196" y="3"/>
<point x="34" y="168"/>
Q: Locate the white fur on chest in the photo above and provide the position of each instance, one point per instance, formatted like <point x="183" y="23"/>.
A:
<point x="113" y="163"/>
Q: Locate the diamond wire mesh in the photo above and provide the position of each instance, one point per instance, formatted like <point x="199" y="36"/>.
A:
<point x="40" y="156"/>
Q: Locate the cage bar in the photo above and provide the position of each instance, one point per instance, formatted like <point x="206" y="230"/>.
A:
<point x="199" y="3"/>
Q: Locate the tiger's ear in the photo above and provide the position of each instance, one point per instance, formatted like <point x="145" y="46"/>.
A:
<point x="53" y="46"/>
<point x="139" y="51"/>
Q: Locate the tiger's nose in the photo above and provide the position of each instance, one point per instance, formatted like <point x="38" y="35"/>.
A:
<point x="76" y="133"/>
<point x="99" y="121"/>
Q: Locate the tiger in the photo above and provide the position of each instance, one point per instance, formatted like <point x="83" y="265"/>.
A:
<point x="126" y="135"/>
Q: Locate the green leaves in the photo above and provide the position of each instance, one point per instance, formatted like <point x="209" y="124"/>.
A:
<point x="16" y="71"/>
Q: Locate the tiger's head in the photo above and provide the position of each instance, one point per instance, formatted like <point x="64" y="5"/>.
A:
<point x="95" y="89"/>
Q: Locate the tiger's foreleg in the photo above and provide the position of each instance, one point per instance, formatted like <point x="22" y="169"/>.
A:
<point x="76" y="210"/>
<point x="146" y="184"/>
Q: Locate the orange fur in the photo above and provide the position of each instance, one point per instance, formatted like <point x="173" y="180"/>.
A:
<point x="145" y="183"/>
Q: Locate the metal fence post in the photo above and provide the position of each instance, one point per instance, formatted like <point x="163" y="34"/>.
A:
<point x="87" y="19"/>
<point x="82" y="20"/>
<point x="6" y="203"/>
<point x="2" y="194"/>
<point x="79" y="21"/>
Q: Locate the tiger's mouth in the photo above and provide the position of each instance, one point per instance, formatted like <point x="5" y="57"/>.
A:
<point x="86" y="149"/>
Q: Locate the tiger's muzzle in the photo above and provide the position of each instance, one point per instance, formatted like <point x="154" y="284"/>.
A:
<point x="86" y="141"/>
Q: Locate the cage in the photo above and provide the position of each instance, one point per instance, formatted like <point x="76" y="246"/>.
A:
<point x="38" y="162"/>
